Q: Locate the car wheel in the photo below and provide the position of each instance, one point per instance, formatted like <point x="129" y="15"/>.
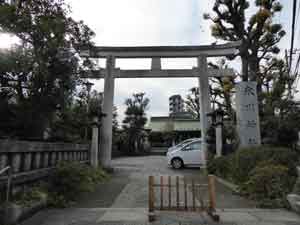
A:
<point x="177" y="163"/>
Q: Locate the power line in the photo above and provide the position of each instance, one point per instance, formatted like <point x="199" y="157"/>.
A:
<point x="297" y="22"/>
<point x="297" y="17"/>
<point x="293" y="33"/>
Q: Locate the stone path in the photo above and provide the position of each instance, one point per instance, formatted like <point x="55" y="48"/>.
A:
<point x="123" y="200"/>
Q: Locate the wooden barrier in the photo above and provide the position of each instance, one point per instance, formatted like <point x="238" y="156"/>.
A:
<point x="212" y="197"/>
<point x="158" y="201"/>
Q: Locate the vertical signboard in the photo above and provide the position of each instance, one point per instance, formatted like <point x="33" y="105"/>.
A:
<point x="247" y="114"/>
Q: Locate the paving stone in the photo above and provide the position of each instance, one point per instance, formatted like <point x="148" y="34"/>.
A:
<point x="278" y="215"/>
<point x="237" y="217"/>
<point x="128" y="189"/>
<point x="125" y="214"/>
<point x="263" y="223"/>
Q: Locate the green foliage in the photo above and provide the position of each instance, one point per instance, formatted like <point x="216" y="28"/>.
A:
<point x="245" y="160"/>
<point x="281" y="129"/>
<point x="72" y="178"/>
<point x="162" y="139"/>
<point x="268" y="185"/>
<point x="95" y="103"/>
<point x="36" y="194"/>
<point x="39" y="76"/>
<point x="192" y="102"/>
<point x="73" y="123"/>
<point x="259" y="34"/>
<point x="264" y="173"/>
<point x="221" y="166"/>
<point x="134" y="122"/>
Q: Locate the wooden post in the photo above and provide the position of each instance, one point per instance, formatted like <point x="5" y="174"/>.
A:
<point x="169" y="185"/>
<point x="185" y="194"/>
<point x="212" y="198"/>
<point x="151" y="216"/>
<point x="212" y="192"/>
<point x="193" y="194"/>
<point x="151" y="194"/>
<point x="161" y="192"/>
<point x="177" y="192"/>
<point x="201" y="198"/>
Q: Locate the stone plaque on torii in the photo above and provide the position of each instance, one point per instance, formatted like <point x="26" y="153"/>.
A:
<point x="155" y="53"/>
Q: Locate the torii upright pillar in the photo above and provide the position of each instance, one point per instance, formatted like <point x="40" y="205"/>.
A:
<point x="205" y="107"/>
<point x="108" y="102"/>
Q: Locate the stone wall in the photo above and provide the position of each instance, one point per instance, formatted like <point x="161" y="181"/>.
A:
<point x="294" y="198"/>
<point x="30" y="161"/>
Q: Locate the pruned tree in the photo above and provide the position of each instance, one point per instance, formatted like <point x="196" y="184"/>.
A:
<point x="115" y="123"/>
<point x="259" y="35"/>
<point x="192" y="102"/>
<point x="281" y="121"/>
<point x="135" y="120"/>
<point x="221" y="89"/>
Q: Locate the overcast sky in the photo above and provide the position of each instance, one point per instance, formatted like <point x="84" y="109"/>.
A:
<point x="153" y="22"/>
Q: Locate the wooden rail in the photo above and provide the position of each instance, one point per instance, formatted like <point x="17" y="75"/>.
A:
<point x="189" y="195"/>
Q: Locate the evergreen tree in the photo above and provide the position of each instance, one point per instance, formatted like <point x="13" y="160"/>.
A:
<point x="135" y="120"/>
<point x="42" y="73"/>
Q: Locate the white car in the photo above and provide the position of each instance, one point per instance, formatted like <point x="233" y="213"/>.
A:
<point x="189" y="154"/>
<point x="180" y="144"/>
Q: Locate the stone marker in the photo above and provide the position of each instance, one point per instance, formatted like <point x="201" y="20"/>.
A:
<point x="247" y="114"/>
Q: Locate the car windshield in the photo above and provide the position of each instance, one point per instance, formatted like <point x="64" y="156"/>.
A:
<point x="184" y="142"/>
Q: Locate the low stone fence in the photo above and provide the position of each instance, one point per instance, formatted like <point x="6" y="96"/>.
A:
<point x="31" y="161"/>
<point x="294" y="198"/>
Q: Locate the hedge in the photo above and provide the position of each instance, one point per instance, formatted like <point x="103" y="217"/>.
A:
<point x="255" y="171"/>
<point x="245" y="160"/>
<point x="268" y="185"/>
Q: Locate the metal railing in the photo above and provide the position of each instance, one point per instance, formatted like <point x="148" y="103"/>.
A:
<point x="7" y="169"/>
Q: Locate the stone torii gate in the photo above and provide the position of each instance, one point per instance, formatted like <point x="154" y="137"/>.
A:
<point x="155" y="53"/>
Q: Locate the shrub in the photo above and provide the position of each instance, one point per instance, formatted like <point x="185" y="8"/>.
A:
<point x="245" y="160"/>
<point x="264" y="173"/>
<point x="72" y="178"/>
<point x="221" y="166"/>
<point x="36" y="194"/>
<point x="268" y="185"/>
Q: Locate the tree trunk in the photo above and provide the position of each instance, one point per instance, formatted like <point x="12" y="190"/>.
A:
<point x="254" y="76"/>
<point x="244" y="68"/>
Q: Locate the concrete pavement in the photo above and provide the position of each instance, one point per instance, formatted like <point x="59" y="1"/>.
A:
<point x="124" y="200"/>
